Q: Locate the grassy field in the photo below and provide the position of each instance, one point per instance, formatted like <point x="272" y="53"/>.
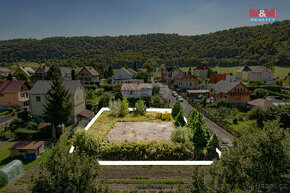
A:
<point x="280" y="72"/>
<point x="242" y="126"/>
<point x="102" y="126"/>
<point x="28" y="64"/>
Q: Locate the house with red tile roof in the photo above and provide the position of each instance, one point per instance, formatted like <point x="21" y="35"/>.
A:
<point x="14" y="93"/>
<point x="187" y="82"/>
<point x="89" y="76"/>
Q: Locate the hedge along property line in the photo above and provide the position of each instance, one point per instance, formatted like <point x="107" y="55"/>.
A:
<point x="144" y="163"/>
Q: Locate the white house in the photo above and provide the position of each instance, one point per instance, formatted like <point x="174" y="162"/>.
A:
<point x="137" y="90"/>
<point x="188" y="82"/>
<point x="125" y="75"/>
<point x="261" y="73"/>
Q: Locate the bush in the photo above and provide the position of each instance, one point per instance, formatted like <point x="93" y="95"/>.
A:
<point x="91" y="87"/>
<point x="260" y="93"/>
<point x="123" y="111"/>
<point x="180" y="135"/>
<point x="24" y="115"/>
<point x="163" y="116"/>
<point x="146" y="150"/>
<point x="235" y="120"/>
<point x="115" y="107"/>
<point x="176" y="109"/>
<point x="140" y="108"/>
<point x="25" y="134"/>
<point x="179" y="122"/>
<point x="157" y="101"/>
<point x="222" y="103"/>
<point x="104" y="101"/>
<point x="85" y="143"/>
<point x="155" y="90"/>
<point x="108" y="87"/>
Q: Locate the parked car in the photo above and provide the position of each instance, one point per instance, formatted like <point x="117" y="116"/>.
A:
<point x="174" y="94"/>
<point x="180" y="99"/>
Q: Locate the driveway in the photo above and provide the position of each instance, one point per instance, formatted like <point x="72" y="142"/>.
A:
<point x="222" y="134"/>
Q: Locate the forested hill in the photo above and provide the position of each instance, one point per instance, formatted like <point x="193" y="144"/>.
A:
<point x="255" y="45"/>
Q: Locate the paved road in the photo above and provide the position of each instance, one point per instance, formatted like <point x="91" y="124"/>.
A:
<point x="222" y="134"/>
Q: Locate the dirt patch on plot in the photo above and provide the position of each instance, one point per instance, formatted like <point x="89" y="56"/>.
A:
<point x="135" y="131"/>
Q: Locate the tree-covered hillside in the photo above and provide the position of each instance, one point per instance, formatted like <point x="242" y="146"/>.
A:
<point x="256" y="45"/>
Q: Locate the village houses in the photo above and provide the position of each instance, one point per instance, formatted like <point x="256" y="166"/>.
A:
<point x="236" y="93"/>
<point x="89" y="76"/>
<point x="261" y="73"/>
<point x="133" y="90"/>
<point x="14" y="93"/>
<point x="201" y="71"/>
<point x="39" y="94"/>
<point x="187" y="82"/>
<point x="125" y="75"/>
<point x="172" y="73"/>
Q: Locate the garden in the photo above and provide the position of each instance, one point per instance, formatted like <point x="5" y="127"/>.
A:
<point x="119" y="134"/>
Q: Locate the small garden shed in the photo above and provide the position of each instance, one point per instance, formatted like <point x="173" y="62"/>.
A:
<point x="11" y="172"/>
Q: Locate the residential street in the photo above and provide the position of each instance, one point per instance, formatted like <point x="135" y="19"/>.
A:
<point x="222" y="134"/>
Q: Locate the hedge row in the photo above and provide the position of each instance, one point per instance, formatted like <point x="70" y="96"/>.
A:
<point x="274" y="88"/>
<point x="146" y="150"/>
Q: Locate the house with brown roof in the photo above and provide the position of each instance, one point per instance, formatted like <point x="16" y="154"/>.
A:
<point x="28" y="150"/>
<point x="261" y="73"/>
<point x="270" y="100"/>
<point x="89" y="76"/>
<point x="40" y="74"/>
<point x="201" y="70"/>
<point x="14" y="93"/>
<point x="142" y="90"/>
<point x="187" y="82"/>
<point x="236" y="93"/>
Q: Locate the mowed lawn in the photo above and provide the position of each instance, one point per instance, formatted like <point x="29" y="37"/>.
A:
<point x="280" y="72"/>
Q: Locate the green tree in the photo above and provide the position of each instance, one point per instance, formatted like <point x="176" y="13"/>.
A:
<point x="157" y="101"/>
<point x="140" y="108"/>
<point x="73" y="74"/>
<point x="66" y="172"/>
<point x="203" y="102"/>
<point x="257" y="113"/>
<point x="85" y="143"/>
<point x="124" y="107"/>
<point x="104" y="101"/>
<point x="149" y="67"/>
<point x="155" y="90"/>
<point x="213" y="143"/>
<point x="176" y="109"/>
<point x="260" y="93"/>
<point x="20" y="75"/>
<point x="179" y="120"/>
<point x="9" y="77"/>
<point x="191" y="117"/>
<point x="58" y="108"/>
<point x="53" y="72"/>
<point x="259" y="166"/>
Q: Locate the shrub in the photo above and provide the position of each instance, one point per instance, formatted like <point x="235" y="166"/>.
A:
<point x="157" y="101"/>
<point x="108" y="87"/>
<point x="146" y="150"/>
<point x="235" y="120"/>
<point x="203" y="102"/>
<point x="104" y="101"/>
<point x="85" y="143"/>
<point x="155" y="90"/>
<point x="140" y="108"/>
<point x="166" y="116"/>
<point x="24" y="115"/>
<point x="23" y="133"/>
<point x="176" y="109"/>
<point x="179" y="122"/>
<point x="99" y="92"/>
<point x="115" y="107"/>
<point x="223" y="112"/>
<point x="123" y="111"/>
<point x="222" y="103"/>
<point x="179" y="135"/>
<point x="260" y="93"/>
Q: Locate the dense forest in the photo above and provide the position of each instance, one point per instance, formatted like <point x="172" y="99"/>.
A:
<point x="255" y="45"/>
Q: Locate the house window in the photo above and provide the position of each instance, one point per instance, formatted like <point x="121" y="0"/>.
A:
<point x="22" y="94"/>
<point x="38" y="99"/>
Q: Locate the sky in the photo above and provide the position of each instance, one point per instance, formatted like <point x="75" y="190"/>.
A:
<point x="46" y="18"/>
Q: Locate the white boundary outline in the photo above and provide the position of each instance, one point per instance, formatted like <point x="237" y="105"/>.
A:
<point x="146" y="163"/>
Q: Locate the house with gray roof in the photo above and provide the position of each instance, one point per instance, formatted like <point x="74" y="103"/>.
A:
<point x="142" y="90"/>
<point x="261" y="73"/>
<point x="39" y="93"/>
<point x="235" y="93"/>
<point x="125" y="75"/>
